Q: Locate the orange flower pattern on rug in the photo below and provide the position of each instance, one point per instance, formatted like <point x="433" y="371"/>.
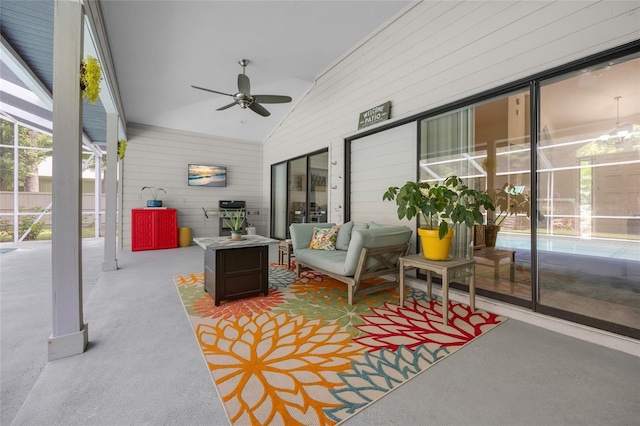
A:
<point x="290" y="365"/>
<point x="190" y="279"/>
<point x="302" y="356"/>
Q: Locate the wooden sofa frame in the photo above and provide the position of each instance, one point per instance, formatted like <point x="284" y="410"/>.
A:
<point x="381" y="262"/>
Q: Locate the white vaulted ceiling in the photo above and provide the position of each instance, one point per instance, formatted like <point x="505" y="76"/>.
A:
<point x="161" y="48"/>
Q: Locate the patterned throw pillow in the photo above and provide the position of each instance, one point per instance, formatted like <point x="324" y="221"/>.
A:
<point x="324" y="238"/>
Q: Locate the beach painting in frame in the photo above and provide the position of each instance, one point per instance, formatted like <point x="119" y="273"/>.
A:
<point x="205" y="175"/>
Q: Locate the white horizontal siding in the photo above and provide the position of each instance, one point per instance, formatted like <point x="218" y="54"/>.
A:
<point x="378" y="162"/>
<point x="159" y="157"/>
<point x="434" y="54"/>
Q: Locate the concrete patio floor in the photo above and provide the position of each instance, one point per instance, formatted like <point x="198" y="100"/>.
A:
<point x="143" y="365"/>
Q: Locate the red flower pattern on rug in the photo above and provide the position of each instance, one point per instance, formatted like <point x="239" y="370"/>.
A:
<point x="416" y="324"/>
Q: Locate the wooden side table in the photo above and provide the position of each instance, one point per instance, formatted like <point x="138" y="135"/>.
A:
<point x="493" y="257"/>
<point x="285" y="248"/>
<point x="448" y="269"/>
<point x="236" y="269"/>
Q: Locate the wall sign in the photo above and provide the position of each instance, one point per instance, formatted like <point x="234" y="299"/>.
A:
<point x="374" y="115"/>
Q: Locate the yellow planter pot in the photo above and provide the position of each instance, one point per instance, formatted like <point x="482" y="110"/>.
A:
<point x="184" y="237"/>
<point x="434" y="248"/>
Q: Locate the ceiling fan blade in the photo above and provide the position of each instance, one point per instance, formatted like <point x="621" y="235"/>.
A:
<point x="227" y="106"/>
<point x="209" y="90"/>
<point x="272" y="99"/>
<point x="243" y="84"/>
<point x="256" y="107"/>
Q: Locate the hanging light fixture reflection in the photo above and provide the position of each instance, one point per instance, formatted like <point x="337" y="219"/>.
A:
<point x="622" y="131"/>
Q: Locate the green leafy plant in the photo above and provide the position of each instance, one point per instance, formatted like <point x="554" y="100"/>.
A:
<point x="29" y="221"/>
<point x="509" y="200"/>
<point x="234" y="219"/>
<point x="155" y="192"/>
<point x="6" y="230"/>
<point x="451" y="202"/>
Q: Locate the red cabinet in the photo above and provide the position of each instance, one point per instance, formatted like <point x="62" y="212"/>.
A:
<point x="153" y="229"/>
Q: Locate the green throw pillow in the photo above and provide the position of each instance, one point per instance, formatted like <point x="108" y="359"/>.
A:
<point x="344" y="236"/>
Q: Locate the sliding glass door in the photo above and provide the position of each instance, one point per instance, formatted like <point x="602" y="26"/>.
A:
<point x="488" y="144"/>
<point x="299" y="192"/>
<point x="588" y="169"/>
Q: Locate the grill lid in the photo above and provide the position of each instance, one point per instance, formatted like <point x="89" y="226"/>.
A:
<point x="227" y="205"/>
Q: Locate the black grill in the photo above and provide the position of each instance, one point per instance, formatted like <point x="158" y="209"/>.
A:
<point x="225" y="207"/>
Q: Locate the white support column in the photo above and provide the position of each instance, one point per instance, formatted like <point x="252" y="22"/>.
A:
<point x="110" y="262"/>
<point x="70" y="334"/>
<point x="16" y="189"/>
<point x="97" y="194"/>
<point x="120" y="212"/>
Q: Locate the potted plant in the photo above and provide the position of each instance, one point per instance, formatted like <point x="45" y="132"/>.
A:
<point x="234" y="220"/>
<point x="440" y="205"/>
<point x="155" y="192"/>
<point x="90" y="77"/>
<point x="509" y="200"/>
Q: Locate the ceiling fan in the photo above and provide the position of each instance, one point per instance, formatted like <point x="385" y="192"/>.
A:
<point x="245" y="99"/>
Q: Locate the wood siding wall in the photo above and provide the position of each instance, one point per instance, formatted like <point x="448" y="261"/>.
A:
<point x="436" y="53"/>
<point x="159" y="157"/>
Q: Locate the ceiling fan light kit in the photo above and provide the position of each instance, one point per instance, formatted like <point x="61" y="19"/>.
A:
<point x="245" y="99"/>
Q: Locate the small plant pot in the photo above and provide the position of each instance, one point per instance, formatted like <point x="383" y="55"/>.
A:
<point x="154" y="203"/>
<point x="491" y="235"/>
<point x="434" y="248"/>
<point x="236" y="235"/>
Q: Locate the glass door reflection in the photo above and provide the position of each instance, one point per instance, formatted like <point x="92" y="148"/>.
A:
<point x="318" y="199"/>
<point x="297" y="191"/>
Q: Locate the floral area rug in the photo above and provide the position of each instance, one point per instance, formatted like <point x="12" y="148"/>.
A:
<point x="302" y="355"/>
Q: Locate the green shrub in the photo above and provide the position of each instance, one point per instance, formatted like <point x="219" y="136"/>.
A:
<point x="6" y="230"/>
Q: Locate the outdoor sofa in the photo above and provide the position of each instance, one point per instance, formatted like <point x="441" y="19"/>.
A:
<point x="360" y="251"/>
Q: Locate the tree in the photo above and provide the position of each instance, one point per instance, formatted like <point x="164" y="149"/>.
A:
<point x="28" y="159"/>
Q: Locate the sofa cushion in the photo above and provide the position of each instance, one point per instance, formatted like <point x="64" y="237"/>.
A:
<point x="301" y="233"/>
<point x="331" y="261"/>
<point x="360" y="226"/>
<point x="384" y="236"/>
<point x="324" y="238"/>
<point x="344" y="236"/>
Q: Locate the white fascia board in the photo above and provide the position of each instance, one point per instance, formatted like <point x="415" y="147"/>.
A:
<point x="105" y="90"/>
<point x="20" y="68"/>
<point x="98" y="47"/>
